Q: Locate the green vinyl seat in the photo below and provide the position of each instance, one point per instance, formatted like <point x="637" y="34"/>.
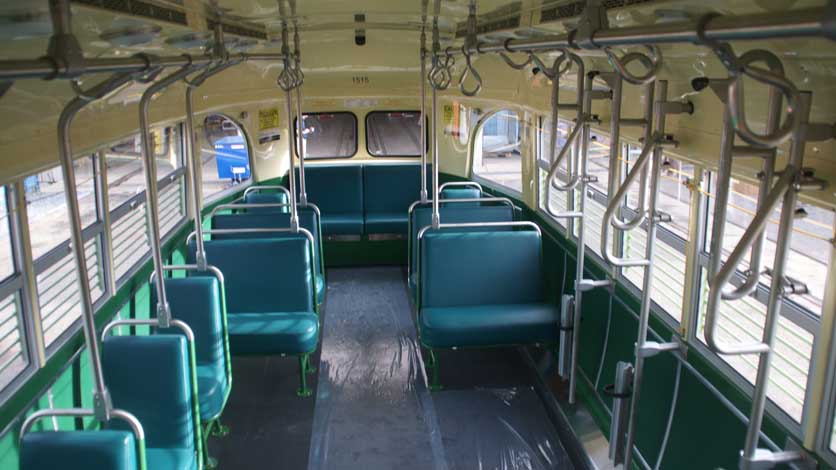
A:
<point x="338" y="192"/>
<point x="461" y="193"/>
<point x="308" y="220"/>
<point x="165" y="403"/>
<point x="270" y="296"/>
<point x="78" y="450"/>
<point x="451" y="214"/>
<point x="196" y="301"/>
<point x="388" y="191"/>
<point x="481" y="289"/>
<point x="266" y="198"/>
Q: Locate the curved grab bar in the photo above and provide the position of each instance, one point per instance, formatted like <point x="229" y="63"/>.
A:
<point x="182" y="326"/>
<point x="652" y="64"/>
<point x="511" y="63"/>
<point x="190" y="267"/>
<point x="463" y="184"/>
<point x="469" y="70"/>
<point x="753" y="231"/>
<point x="133" y="423"/>
<point x="773" y="77"/>
<point x="615" y="203"/>
<point x="255" y="189"/>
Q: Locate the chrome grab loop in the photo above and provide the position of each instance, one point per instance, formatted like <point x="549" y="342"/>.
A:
<point x="287" y="78"/>
<point x="510" y="62"/>
<point x="469" y="70"/>
<point x="652" y="63"/>
<point x="774" y="77"/>
<point x="546" y="70"/>
<point x="441" y="72"/>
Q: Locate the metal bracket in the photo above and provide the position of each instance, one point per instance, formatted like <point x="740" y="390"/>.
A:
<point x="676" y="107"/>
<point x="807" y="181"/>
<point x="663" y="217"/>
<point x="163" y="314"/>
<point x="589" y="179"/>
<point x="102" y="405"/>
<point x="667" y="140"/>
<point x="791" y="286"/>
<point x="652" y="348"/>
<point x="820" y="132"/>
<point x="64" y="49"/>
<point x="588" y="284"/>
<point x="593" y="19"/>
<point x="765" y="459"/>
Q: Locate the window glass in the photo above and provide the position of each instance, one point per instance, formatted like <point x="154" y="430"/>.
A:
<point x="13" y="355"/>
<point x="46" y="205"/>
<point x="329" y="135"/>
<point x="7" y="266"/>
<point x="497" y="154"/>
<point x="393" y="133"/>
<point x="598" y="161"/>
<point x="225" y="155"/>
<point x="742" y="321"/>
<point x="811" y="237"/>
<point x="559" y="199"/>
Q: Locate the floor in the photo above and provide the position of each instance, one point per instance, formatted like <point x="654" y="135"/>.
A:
<point x="371" y="408"/>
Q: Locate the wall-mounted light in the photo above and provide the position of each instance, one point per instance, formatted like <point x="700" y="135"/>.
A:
<point x="130" y="33"/>
<point x="189" y="40"/>
<point x="24" y="24"/>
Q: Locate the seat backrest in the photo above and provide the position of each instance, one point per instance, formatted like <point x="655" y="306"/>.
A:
<point x="266" y="198"/>
<point x="461" y="193"/>
<point x="480" y="268"/>
<point x="335" y="189"/>
<point x="263" y="275"/>
<point x="390" y="188"/>
<point x="151" y="378"/>
<point x="196" y="301"/>
<point x="307" y="220"/>
<point x="455" y="214"/>
<point x="78" y="450"/>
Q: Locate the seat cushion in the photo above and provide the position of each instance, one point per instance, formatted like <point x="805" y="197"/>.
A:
<point x="489" y="325"/>
<point x="266" y="198"/>
<point x="211" y="390"/>
<point x="77" y="450"/>
<point x="175" y="458"/>
<point x="273" y="333"/>
<point x="387" y="222"/>
<point x="320" y="288"/>
<point x="342" y="224"/>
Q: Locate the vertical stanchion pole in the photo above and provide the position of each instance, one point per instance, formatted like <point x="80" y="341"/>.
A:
<point x="423" y="109"/>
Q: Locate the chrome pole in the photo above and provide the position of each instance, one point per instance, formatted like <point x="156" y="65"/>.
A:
<point x="436" y="216"/>
<point x="423" y="73"/>
<point x="300" y="117"/>
<point x="151" y="196"/>
<point x="647" y="282"/>
<point x="102" y="405"/>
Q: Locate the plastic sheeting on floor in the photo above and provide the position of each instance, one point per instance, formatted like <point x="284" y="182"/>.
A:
<point x="373" y="409"/>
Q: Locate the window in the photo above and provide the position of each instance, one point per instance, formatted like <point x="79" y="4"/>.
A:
<point x="126" y="195"/>
<point x="224" y="156"/>
<point x="496" y="154"/>
<point x="14" y="357"/>
<point x="329" y="135"/>
<point x="674" y="199"/>
<point x="742" y="320"/>
<point x="56" y="276"/>
<point x="559" y="199"/>
<point x="393" y="133"/>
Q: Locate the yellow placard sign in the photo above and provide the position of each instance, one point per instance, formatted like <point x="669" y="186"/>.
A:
<point x="268" y="118"/>
<point x="448" y="115"/>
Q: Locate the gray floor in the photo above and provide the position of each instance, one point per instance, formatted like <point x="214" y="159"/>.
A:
<point x="371" y="408"/>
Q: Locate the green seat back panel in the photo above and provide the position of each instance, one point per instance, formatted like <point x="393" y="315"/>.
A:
<point x="266" y="198"/>
<point x="150" y="377"/>
<point x="338" y="192"/>
<point x="263" y="275"/>
<point x="489" y="325"/>
<point x="307" y="220"/>
<point x="273" y="333"/>
<point x="78" y="450"/>
<point x="480" y="268"/>
<point x="197" y="302"/>
<point x="422" y="217"/>
<point x="461" y="193"/>
<point x="388" y="191"/>
<point x="170" y="458"/>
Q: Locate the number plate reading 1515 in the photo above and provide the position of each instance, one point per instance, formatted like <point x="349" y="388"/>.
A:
<point x="360" y="80"/>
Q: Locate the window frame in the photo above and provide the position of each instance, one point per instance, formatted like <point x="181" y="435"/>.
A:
<point x="484" y="118"/>
<point x="383" y="111"/>
<point x="316" y="159"/>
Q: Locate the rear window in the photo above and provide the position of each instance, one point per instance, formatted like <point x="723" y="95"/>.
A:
<point x="393" y="133"/>
<point x="328" y="135"/>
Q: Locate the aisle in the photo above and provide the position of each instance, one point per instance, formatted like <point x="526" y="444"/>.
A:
<point x="373" y="410"/>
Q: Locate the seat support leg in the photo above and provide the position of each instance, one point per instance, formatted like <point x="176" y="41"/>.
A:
<point x="303" y="391"/>
<point x="310" y="368"/>
<point x="209" y="462"/>
<point x="435" y="385"/>
<point x="220" y="429"/>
